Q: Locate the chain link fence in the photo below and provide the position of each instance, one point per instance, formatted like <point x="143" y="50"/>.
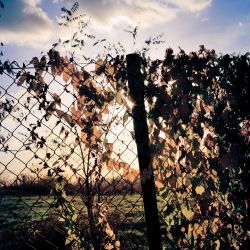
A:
<point x="69" y="171"/>
<point x="36" y="146"/>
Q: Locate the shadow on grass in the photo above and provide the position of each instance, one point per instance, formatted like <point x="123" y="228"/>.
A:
<point x="51" y="234"/>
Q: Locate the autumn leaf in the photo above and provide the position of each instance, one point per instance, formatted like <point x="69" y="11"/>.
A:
<point x="119" y="97"/>
<point x="116" y="166"/>
<point x="110" y="164"/>
<point x="172" y="143"/>
<point x="22" y="79"/>
<point x="130" y="177"/>
<point x="93" y="140"/>
<point x="215" y="225"/>
<point x="168" y="173"/>
<point x="99" y="67"/>
<point x="109" y="147"/>
<point x="199" y="190"/>
<point x="76" y="114"/>
<point x="66" y="117"/>
<point x="84" y="136"/>
<point x="35" y="62"/>
<point x="108" y="246"/>
<point x="75" y="81"/>
<point x="125" y="170"/>
<point x="111" y="70"/>
<point x="66" y="75"/>
<point x="217" y="244"/>
<point x="50" y="109"/>
<point x="57" y="99"/>
<point x="105" y="110"/>
<point x="245" y="129"/>
<point x="187" y="213"/>
<point x="109" y="231"/>
<point x="159" y="184"/>
<point x="125" y="118"/>
<point x="117" y="244"/>
<point x="96" y="132"/>
<point x="135" y="172"/>
<point x="206" y="107"/>
<point x="210" y="141"/>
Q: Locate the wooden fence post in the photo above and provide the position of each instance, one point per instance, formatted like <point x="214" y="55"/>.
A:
<point x="136" y="89"/>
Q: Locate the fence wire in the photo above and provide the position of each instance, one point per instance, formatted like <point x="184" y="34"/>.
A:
<point x="69" y="169"/>
<point x="28" y="169"/>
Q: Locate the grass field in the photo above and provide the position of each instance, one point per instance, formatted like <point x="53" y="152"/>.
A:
<point x="126" y="216"/>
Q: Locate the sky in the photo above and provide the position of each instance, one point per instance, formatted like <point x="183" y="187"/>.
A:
<point x="28" y="27"/>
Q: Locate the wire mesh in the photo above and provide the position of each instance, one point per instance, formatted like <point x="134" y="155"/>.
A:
<point x="39" y="145"/>
<point x="69" y="167"/>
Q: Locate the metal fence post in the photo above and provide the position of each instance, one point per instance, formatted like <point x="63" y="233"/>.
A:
<point x="136" y="89"/>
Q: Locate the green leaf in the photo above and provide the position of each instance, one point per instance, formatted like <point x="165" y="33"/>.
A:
<point x="55" y="163"/>
<point x="125" y="118"/>
<point x="118" y="97"/>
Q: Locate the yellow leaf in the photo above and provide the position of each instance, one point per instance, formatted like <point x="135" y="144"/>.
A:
<point x="183" y="162"/>
<point x="205" y="225"/>
<point x="110" y="70"/>
<point x="108" y="246"/>
<point x="117" y="244"/>
<point x="172" y="143"/>
<point x="109" y="231"/>
<point x="130" y="177"/>
<point x="199" y="231"/>
<point x="217" y="243"/>
<point x="134" y="172"/>
<point x="97" y="133"/>
<point x="200" y="190"/>
<point x="215" y="225"/>
<point x="196" y="226"/>
<point x="74" y="217"/>
<point x="93" y="139"/>
<point x="187" y="213"/>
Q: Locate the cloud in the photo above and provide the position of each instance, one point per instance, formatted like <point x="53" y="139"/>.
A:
<point x="24" y="22"/>
<point x="144" y="12"/>
<point x="191" y="5"/>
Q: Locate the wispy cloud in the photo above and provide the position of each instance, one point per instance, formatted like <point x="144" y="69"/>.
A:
<point x="24" y="22"/>
<point x="185" y="22"/>
<point x="191" y="5"/>
<point x="144" y="12"/>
